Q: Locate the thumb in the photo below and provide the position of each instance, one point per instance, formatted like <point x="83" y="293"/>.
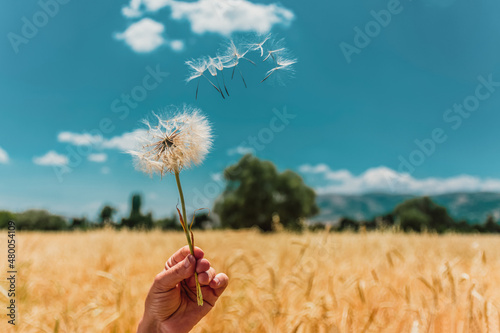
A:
<point x="170" y="277"/>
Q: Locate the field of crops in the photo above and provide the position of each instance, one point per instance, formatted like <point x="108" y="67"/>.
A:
<point x="315" y="282"/>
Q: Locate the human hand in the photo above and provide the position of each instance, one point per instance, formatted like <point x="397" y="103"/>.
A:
<point x="171" y="304"/>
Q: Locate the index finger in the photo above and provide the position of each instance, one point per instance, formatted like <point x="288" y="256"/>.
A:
<point x="183" y="253"/>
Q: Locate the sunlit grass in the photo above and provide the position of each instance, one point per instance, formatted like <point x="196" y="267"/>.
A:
<point x="97" y="281"/>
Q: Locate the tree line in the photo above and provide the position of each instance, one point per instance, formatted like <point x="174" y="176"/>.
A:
<point x="258" y="195"/>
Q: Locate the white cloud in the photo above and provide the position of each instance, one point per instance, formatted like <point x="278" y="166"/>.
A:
<point x="143" y="36"/>
<point x="123" y="142"/>
<point x="51" y="158"/>
<point x="176" y="45"/>
<point x="98" y="158"/>
<point x="240" y="150"/>
<point x="228" y="16"/>
<point x="4" y="157"/>
<point x="383" y="179"/>
<point x="132" y="10"/>
<point x="218" y="16"/>
<point x="320" y="168"/>
<point x="78" y="139"/>
<point x="217" y="177"/>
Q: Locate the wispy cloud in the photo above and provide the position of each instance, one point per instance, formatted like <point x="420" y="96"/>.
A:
<point x="240" y="150"/>
<point x="4" y="157"/>
<point x="51" y="159"/>
<point x="383" y="179"/>
<point x="217" y="16"/>
<point x="98" y="158"/>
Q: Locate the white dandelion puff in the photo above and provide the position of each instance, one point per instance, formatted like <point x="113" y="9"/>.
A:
<point x="172" y="144"/>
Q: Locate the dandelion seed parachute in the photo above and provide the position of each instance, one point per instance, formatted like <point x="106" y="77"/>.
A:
<point x="283" y="69"/>
<point x="231" y="55"/>
<point x="214" y="65"/>
<point x="275" y="47"/>
<point x="198" y="67"/>
<point x="258" y="43"/>
<point x="232" y="52"/>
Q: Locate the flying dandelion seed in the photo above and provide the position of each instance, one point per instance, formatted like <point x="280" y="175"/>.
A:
<point x="170" y="145"/>
<point x="198" y="67"/>
<point x="259" y="45"/>
<point x="215" y="65"/>
<point x="220" y="66"/>
<point x="231" y="56"/>
<point x="284" y="68"/>
<point x="276" y="46"/>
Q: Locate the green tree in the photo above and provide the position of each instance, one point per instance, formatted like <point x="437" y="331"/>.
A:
<point x="136" y="219"/>
<point x="255" y="191"/>
<point x="106" y="215"/>
<point x="79" y="223"/>
<point x="39" y="220"/>
<point x="169" y="223"/>
<point x="422" y="213"/>
<point x="490" y="225"/>
<point x="5" y="217"/>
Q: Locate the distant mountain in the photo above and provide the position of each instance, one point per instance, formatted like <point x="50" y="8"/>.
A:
<point x="473" y="207"/>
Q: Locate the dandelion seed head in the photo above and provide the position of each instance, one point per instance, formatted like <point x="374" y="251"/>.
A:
<point x="171" y="144"/>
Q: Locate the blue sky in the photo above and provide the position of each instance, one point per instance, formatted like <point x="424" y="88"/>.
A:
<point x="393" y="96"/>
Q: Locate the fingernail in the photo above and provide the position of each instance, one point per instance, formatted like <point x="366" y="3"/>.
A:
<point x="189" y="261"/>
<point x="216" y="280"/>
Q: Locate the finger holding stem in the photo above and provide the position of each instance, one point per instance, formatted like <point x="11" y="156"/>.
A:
<point x="189" y="235"/>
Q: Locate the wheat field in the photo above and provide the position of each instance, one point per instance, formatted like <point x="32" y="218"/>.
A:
<point x="315" y="282"/>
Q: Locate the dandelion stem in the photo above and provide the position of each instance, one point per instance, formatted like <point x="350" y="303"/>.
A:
<point x="188" y="236"/>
